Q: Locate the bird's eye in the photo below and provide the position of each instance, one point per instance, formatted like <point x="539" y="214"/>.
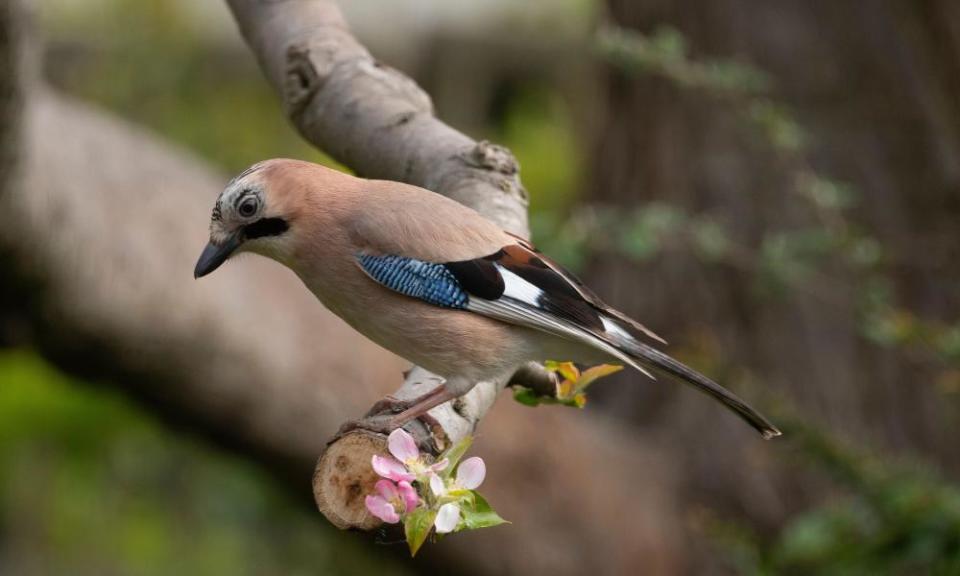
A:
<point x="248" y="207"/>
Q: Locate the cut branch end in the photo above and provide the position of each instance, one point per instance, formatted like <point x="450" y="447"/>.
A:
<point x="343" y="477"/>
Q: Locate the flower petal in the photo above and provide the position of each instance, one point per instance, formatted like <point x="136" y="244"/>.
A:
<point x="437" y="485"/>
<point x="439" y="466"/>
<point x="471" y="472"/>
<point x="409" y="496"/>
<point x="389" y="468"/>
<point x="448" y="517"/>
<point x="402" y="445"/>
<point x="387" y="489"/>
<point x="382" y="509"/>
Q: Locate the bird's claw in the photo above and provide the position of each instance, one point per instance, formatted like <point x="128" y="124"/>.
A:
<point x="379" y="424"/>
<point x="388" y="405"/>
<point x="379" y="419"/>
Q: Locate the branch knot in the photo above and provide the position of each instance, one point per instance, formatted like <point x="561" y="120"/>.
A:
<point x="302" y="79"/>
<point x="490" y="156"/>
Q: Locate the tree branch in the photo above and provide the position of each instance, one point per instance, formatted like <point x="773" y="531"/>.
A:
<point x="378" y="122"/>
<point x="369" y="116"/>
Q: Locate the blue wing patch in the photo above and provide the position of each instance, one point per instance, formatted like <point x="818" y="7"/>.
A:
<point x="431" y="282"/>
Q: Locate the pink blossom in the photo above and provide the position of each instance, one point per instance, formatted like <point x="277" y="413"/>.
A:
<point x="391" y="500"/>
<point x="389" y="468"/>
<point x="381" y="509"/>
<point x="471" y="472"/>
<point x="406" y="463"/>
<point x="439" y="466"/>
<point x="437" y="485"/>
<point x="448" y="518"/>
<point x="403" y="446"/>
<point x="409" y="496"/>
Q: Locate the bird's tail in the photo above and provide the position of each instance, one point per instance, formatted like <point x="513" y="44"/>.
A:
<point x="639" y="355"/>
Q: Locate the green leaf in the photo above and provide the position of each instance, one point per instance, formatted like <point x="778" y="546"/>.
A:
<point x="528" y="397"/>
<point x="669" y="43"/>
<point x="480" y="515"/>
<point x="711" y="240"/>
<point x="638" y="243"/>
<point x="569" y="391"/>
<point x="864" y="252"/>
<point x="778" y="125"/>
<point x="456" y="452"/>
<point x="595" y="373"/>
<point x="826" y="193"/>
<point x="947" y="343"/>
<point x="417" y="527"/>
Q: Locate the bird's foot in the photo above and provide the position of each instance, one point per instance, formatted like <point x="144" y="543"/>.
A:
<point x="389" y="414"/>
<point x="381" y="424"/>
<point x="380" y="418"/>
<point x="389" y="405"/>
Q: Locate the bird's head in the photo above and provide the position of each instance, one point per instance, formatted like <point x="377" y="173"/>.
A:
<point x="254" y="213"/>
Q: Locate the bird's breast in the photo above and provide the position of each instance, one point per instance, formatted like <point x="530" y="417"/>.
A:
<point x="445" y="341"/>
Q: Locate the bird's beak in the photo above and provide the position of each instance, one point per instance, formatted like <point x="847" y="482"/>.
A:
<point x="216" y="254"/>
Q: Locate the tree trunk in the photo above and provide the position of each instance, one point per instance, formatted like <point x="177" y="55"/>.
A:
<point x="877" y="87"/>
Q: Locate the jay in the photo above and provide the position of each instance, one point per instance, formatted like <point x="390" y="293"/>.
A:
<point x="430" y="280"/>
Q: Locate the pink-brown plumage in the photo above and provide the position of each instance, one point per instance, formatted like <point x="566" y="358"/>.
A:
<point x="351" y="215"/>
<point x="449" y="290"/>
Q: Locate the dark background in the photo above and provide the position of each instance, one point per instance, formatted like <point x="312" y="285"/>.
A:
<point x="772" y="186"/>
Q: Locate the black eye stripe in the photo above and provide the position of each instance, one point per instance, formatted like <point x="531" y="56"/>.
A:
<point x="265" y="227"/>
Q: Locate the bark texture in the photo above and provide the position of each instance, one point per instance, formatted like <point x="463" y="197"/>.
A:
<point x="13" y="53"/>
<point x="875" y="84"/>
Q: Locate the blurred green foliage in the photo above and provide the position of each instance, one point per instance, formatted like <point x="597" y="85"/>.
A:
<point x="665" y="52"/>
<point x="150" y="62"/>
<point x="538" y="128"/>
<point x="888" y="517"/>
<point x="89" y="484"/>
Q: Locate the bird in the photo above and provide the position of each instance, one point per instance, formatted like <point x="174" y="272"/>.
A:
<point x="431" y="280"/>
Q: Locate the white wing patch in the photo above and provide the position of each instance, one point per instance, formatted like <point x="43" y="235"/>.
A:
<point x="519" y="289"/>
<point x="520" y="304"/>
<point x="614" y="330"/>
